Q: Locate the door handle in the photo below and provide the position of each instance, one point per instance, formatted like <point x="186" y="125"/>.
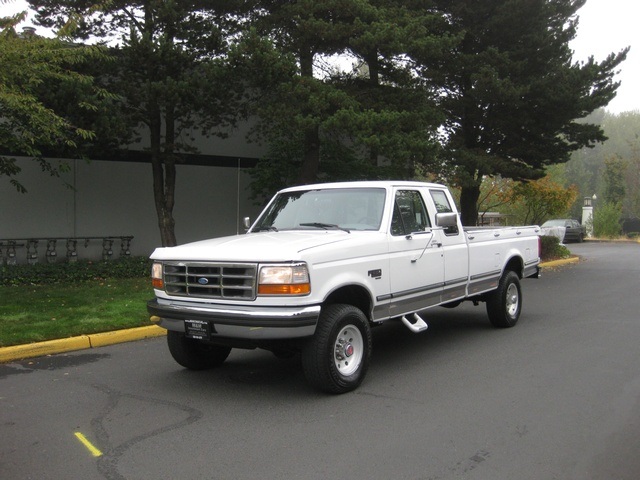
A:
<point x="430" y="244"/>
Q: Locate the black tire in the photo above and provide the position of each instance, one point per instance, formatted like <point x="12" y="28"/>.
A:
<point x="505" y="303"/>
<point x="336" y="359"/>
<point x="193" y="354"/>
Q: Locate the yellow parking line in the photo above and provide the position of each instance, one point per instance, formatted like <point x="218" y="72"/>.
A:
<point x="94" y="451"/>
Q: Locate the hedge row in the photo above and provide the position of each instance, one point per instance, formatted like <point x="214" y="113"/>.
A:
<point x="139" y="267"/>
<point x="76" y="272"/>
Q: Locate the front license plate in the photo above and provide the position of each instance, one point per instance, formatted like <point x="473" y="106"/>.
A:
<point x="199" y="329"/>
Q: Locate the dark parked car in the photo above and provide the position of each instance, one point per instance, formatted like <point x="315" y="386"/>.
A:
<point x="574" y="231"/>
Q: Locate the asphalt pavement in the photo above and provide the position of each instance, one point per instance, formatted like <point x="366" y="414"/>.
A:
<point x="555" y="397"/>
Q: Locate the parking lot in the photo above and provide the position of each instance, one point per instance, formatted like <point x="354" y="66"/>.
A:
<point x="556" y="397"/>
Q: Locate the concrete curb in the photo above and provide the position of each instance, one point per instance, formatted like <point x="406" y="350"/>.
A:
<point x="558" y="263"/>
<point x="50" y="347"/>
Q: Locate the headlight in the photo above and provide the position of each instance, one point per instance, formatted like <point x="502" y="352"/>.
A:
<point x="284" y="280"/>
<point x="156" y="276"/>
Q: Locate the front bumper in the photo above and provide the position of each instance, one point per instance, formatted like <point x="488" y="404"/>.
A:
<point x="249" y="323"/>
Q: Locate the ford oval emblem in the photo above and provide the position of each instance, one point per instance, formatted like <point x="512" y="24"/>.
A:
<point x="203" y="281"/>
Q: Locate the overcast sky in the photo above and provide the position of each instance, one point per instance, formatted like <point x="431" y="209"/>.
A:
<point x="605" y="26"/>
<point x="608" y="26"/>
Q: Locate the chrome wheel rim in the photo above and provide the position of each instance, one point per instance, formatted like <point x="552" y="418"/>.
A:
<point x="512" y="300"/>
<point x="348" y="350"/>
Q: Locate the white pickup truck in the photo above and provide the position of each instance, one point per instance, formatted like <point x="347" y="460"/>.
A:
<point x="325" y="263"/>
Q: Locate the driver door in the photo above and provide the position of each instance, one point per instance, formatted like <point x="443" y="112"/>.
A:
<point x="415" y="255"/>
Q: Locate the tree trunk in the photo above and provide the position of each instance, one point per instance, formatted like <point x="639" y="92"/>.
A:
<point x="170" y="179"/>
<point x="311" y="157"/>
<point x="163" y="162"/>
<point x="469" y="205"/>
<point x="164" y="180"/>
<point x="374" y="80"/>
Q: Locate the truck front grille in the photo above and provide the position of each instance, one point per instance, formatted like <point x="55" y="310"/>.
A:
<point x="233" y="281"/>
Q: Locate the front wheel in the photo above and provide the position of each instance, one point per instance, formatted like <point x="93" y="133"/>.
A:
<point x="505" y="303"/>
<point x="336" y="359"/>
<point x="193" y="354"/>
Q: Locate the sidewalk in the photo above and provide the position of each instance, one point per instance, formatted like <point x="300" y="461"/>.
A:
<point x="51" y="347"/>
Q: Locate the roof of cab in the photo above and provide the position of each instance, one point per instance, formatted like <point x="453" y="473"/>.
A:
<point x="364" y="184"/>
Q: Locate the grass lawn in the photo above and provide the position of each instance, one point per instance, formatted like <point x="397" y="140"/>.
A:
<point x="45" y="312"/>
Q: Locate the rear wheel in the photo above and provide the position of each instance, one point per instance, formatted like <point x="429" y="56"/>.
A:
<point x="505" y="303"/>
<point x="336" y="359"/>
<point x="193" y="354"/>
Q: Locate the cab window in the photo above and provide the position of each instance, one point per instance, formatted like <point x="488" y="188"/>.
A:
<point x="409" y="213"/>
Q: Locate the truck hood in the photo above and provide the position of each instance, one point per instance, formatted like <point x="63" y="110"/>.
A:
<point x="262" y="247"/>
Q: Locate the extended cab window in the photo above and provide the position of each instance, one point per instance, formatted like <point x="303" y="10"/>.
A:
<point x="409" y="213"/>
<point x="443" y="206"/>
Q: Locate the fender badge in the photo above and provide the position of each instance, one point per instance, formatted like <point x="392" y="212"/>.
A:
<point x="377" y="274"/>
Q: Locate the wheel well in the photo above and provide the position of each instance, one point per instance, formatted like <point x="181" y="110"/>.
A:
<point x="515" y="264"/>
<point x="355" y="295"/>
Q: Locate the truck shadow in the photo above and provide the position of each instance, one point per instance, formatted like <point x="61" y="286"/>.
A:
<point x="448" y="329"/>
<point x="444" y="325"/>
<point x="258" y="372"/>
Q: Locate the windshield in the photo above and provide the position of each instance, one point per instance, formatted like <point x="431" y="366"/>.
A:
<point x="554" y="223"/>
<point x="342" y="208"/>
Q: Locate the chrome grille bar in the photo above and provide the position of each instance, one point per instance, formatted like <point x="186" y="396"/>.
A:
<point x="232" y="281"/>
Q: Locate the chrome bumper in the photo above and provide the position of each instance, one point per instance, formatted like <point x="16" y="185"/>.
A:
<point x="261" y="323"/>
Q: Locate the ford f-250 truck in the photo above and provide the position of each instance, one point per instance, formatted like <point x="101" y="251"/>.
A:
<point x="325" y="263"/>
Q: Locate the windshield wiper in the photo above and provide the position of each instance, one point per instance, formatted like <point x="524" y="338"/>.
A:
<point x="326" y="226"/>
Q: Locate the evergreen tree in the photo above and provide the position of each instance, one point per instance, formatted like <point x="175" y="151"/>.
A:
<point x="614" y="180"/>
<point x="293" y="111"/>
<point x="374" y="121"/>
<point x="513" y="94"/>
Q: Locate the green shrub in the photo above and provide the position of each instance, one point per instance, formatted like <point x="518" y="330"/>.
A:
<point x="76" y="272"/>
<point x="606" y="220"/>
<point x="551" y="249"/>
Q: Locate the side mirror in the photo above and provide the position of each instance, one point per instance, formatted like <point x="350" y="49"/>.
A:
<point x="247" y="223"/>
<point x="445" y="220"/>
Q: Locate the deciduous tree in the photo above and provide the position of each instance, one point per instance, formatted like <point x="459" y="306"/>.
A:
<point x="168" y="71"/>
<point x="32" y="125"/>
<point x="541" y="199"/>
